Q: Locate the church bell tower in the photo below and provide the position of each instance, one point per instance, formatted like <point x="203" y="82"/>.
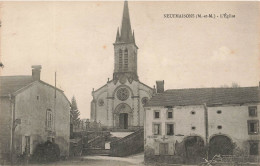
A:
<point x="125" y="50"/>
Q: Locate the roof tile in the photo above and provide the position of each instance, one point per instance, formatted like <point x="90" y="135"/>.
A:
<point x="209" y="96"/>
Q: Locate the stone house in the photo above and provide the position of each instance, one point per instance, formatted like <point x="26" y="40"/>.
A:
<point x="181" y="125"/>
<point x="40" y="112"/>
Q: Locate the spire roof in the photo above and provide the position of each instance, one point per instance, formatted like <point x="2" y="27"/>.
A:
<point x="126" y="35"/>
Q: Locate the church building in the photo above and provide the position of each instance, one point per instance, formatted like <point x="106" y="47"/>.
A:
<point x="119" y="103"/>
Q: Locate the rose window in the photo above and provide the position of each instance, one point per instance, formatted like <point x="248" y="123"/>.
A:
<point x="144" y="100"/>
<point x="100" y="102"/>
<point x="122" y="94"/>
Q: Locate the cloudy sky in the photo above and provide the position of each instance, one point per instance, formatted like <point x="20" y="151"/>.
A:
<point x="75" y="39"/>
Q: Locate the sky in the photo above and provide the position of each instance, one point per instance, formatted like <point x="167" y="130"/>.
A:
<point x="75" y="39"/>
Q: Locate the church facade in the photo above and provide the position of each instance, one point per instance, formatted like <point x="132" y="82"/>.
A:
<point x="119" y="103"/>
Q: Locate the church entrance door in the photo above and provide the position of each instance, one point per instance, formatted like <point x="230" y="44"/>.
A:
<point x="123" y="121"/>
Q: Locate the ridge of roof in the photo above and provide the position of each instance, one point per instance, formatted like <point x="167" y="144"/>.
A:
<point x="169" y="90"/>
<point x="210" y="96"/>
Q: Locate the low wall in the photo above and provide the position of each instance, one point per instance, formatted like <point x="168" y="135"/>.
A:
<point x="96" y="151"/>
<point x="128" y="145"/>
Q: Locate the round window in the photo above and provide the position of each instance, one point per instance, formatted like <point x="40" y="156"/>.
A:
<point x="100" y="102"/>
<point x="122" y="94"/>
<point x="144" y="100"/>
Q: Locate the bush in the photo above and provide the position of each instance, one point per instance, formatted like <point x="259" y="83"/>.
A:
<point x="46" y="152"/>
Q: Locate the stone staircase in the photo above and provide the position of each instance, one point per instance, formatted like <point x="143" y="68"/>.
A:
<point x="114" y="144"/>
<point x="124" y="146"/>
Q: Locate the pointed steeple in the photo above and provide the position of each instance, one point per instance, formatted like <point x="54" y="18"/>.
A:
<point x="126" y="31"/>
<point x="125" y="49"/>
<point x="117" y="35"/>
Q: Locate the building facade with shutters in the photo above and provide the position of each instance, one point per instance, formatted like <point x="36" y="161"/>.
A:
<point x="36" y="110"/>
<point x="182" y="125"/>
<point x="119" y="103"/>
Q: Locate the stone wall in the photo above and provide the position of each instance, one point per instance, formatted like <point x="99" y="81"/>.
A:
<point x="190" y="121"/>
<point x="31" y="105"/>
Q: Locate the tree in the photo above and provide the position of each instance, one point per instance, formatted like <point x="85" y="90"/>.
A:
<point x="74" y="112"/>
<point x="233" y="85"/>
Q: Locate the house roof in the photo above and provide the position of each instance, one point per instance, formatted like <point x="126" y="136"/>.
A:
<point x="209" y="96"/>
<point x="10" y="84"/>
<point x="17" y="84"/>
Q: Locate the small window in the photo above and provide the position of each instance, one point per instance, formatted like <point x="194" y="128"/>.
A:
<point x="193" y="128"/>
<point x="252" y="111"/>
<point x="193" y="112"/>
<point x="27" y="145"/>
<point x="156" y="114"/>
<point x="169" y="114"/>
<point x="253" y="126"/>
<point x="157" y="129"/>
<point x="219" y="127"/>
<point x="219" y="111"/>
<point x="170" y="129"/>
<point x="253" y="148"/>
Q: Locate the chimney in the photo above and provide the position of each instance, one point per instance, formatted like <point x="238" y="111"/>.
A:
<point x="160" y="86"/>
<point x="36" y="72"/>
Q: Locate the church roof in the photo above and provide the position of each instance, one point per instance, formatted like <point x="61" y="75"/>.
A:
<point x="208" y="96"/>
<point x="126" y="35"/>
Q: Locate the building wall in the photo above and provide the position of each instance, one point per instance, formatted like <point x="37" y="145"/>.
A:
<point x="5" y="129"/>
<point x="32" y="112"/>
<point x="105" y="113"/>
<point x="183" y="121"/>
<point x="233" y="119"/>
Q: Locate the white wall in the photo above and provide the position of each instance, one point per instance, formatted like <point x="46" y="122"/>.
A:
<point x="233" y="120"/>
<point x="32" y="113"/>
<point x="108" y="94"/>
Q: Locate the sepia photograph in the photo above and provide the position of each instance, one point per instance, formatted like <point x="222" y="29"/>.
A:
<point x="130" y="83"/>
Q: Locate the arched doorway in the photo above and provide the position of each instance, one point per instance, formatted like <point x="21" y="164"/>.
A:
<point x="194" y="149"/>
<point x="123" y="116"/>
<point x="123" y="120"/>
<point x="220" y="144"/>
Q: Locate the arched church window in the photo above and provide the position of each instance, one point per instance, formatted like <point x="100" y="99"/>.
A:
<point x="122" y="94"/>
<point x="126" y="60"/>
<point x="120" y="59"/>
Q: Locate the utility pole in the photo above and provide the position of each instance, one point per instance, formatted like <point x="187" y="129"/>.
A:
<point x="55" y="95"/>
<point x="14" y="123"/>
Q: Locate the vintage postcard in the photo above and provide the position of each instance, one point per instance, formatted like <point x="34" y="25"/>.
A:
<point x="130" y="83"/>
